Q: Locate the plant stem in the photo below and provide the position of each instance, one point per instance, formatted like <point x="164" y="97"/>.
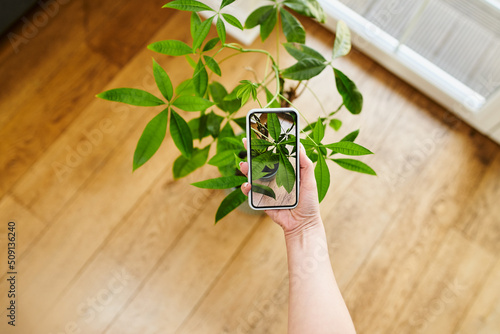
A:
<point x="316" y="98"/>
<point x="278" y="34"/>
<point x="290" y="102"/>
<point x="338" y="109"/>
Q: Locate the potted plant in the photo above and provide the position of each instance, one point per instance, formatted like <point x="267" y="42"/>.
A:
<point x="217" y="107"/>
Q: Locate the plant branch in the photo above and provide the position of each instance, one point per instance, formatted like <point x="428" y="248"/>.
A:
<point x="316" y="98"/>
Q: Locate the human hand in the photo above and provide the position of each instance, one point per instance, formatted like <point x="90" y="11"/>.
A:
<point x="306" y="215"/>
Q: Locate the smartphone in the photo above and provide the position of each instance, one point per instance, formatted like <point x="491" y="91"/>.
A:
<point x="273" y="158"/>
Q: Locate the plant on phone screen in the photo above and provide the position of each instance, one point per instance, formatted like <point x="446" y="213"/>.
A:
<point x="271" y="150"/>
<point x="217" y="107"/>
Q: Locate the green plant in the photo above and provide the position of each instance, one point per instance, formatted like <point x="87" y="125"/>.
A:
<point x="272" y="149"/>
<point x="217" y="107"/>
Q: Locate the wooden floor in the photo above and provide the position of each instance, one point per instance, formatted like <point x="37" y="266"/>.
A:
<point x="102" y="250"/>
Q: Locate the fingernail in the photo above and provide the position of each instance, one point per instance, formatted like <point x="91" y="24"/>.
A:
<point x="241" y="162"/>
<point x="244" y="185"/>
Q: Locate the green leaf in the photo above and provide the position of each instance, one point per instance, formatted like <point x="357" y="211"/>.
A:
<point x="351" y="136"/>
<point x="181" y="134"/>
<point x="241" y="121"/>
<point x="258" y="16"/>
<point x="231" y="202"/>
<point x="217" y="91"/>
<point x="202" y="124"/>
<point x="245" y="90"/>
<point x="305" y="69"/>
<point x="262" y="160"/>
<point x="234" y="142"/>
<point x="226" y="3"/>
<point x="322" y="175"/>
<point x="308" y="143"/>
<point x="188" y="5"/>
<point x="211" y="44"/>
<point x="194" y="125"/>
<point x="352" y="98"/>
<point x="213" y="124"/>
<point x="311" y="126"/>
<point x="309" y="8"/>
<point x="232" y="21"/>
<point x="273" y="126"/>
<point x="223" y="145"/>
<point x="264" y="190"/>
<point x="342" y="44"/>
<point x="195" y="23"/>
<point x="151" y="139"/>
<point x="192" y="103"/>
<point x="301" y="51"/>
<point x="285" y="177"/>
<point x="163" y="81"/>
<point x="191" y="61"/>
<point x="200" y="79"/>
<point x="259" y="144"/>
<point x="201" y="33"/>
<point x="335" y="124"/>
<point x="292" y="28"/>
<point x="212" y="64"/>
<point x="355" y="165"/>
<point x="185" y="88"/>
<point x="224" y="182"/>
<point x="318" y="132"/>
<point x="269" y="97"/>
<point x="135" y="97"/>
<point x="223" y="158"/>
<point x="221" y="30"/>
<point x="348" y="148"/>
<point x="184" y="166"/>
<point x="227" y="131"/>
<point x="219" y="94"/>
<point x="268" y="24"/>
<point x="171" y="48"/>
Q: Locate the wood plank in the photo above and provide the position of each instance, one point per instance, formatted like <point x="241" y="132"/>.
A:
<point x="483" y="317"/>
<point x="127" y="30"/>
<point x="87" y="143"/>
<point x="28" y="227"/>
<point x="50" y="99"/>
<point x="188" y="270"/>
<point x="250" y="292"/>
<point x="442" y="294"/>
<point x="85" y="223"/>
<point x="417" y="231"/>
<point x="51" y="46"/>
<point x="47" y="47"/>
<point x="50" y="106"/>
<point x="167" y="213"/>
<point x="481" y="219"/>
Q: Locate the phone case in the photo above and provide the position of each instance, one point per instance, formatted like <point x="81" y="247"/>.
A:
<point x="297" y="157"/>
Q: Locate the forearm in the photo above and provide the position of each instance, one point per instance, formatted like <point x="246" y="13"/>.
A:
<point x="316" y="305"/>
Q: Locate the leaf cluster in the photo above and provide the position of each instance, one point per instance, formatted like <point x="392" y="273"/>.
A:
<point x="200" y="113"/>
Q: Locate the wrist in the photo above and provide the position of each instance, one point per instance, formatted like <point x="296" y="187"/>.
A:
<point x="312" y="227"/>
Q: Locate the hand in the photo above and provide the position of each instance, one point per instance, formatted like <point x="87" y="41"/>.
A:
<point x="306" y="215"/>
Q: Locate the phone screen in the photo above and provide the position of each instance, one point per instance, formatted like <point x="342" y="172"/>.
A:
<point x="272" y="136"/>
